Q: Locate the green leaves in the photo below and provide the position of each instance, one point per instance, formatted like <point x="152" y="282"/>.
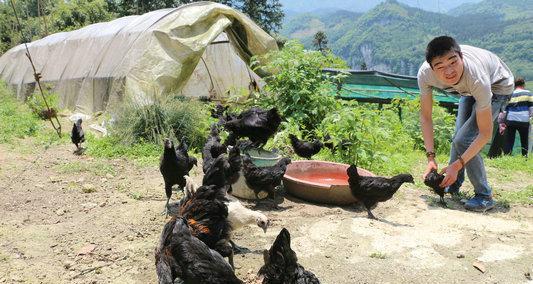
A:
<point x="297" y="85"/>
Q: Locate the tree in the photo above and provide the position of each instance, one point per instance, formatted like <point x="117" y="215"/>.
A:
<point x="363" y="66"/>
<point x="320" y="41"/>
<point x="268" y="14"/>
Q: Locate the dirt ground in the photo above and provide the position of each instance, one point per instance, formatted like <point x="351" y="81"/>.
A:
<point x="76" y="219"/>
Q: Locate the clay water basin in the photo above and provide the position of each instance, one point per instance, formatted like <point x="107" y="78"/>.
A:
<point x="320" y="182"/>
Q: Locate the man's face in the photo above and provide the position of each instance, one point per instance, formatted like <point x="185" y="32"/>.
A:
<point x="448" y="67"/>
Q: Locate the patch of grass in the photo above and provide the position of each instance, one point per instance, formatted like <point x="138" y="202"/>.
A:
<point x="16" y="119"/>
<point x="524" y="196"/>
<point x="136" y="195"/>
<point x="143" y="153"/>
<point x="378" y="255"/>
<point x="511" y="163"/>
<point x="99" y="168"/>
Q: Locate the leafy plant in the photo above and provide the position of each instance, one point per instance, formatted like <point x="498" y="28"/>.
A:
<point x="443" y="125"/>
<point x="297" y="86"/>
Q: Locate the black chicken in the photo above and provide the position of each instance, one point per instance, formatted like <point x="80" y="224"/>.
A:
<point x="305" y="149"/>
<point x="234" y="166"/>
<point x="218" y="111"/>
<point x="256" y="124"/>
<point x="371" y="190"/>
<point x="212" y="148"/>
<point x="281" y="264"/>
<point x="182" y="255"/>
<point x="264" y="178"/>
<point x="77" y="135"/>
<point x="224" y="171"/>
<point x="206" y="213"/>
<point x="174" y="165"/>
<point x="433" y="180"/>
<point x="182" y="152"/>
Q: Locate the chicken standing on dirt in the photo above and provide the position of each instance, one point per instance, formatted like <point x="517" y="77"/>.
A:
<point x="174" y="165"/>
<point x="305" y="149"/>
<point x="281" y="264"/>
<point x="371" y="190"/>
<point x="264" y="178"/>
<point x="182" y="255"/>
<point x="240" y="216"/>
<point x="433" y="180"/>
<point x="77" y="135"/>
<point x="256" y="124"/>
<point x="206" y="213"/>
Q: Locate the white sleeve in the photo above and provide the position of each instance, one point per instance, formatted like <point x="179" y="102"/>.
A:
<point x="422" y="78"/>
<point x="481" y="91"/>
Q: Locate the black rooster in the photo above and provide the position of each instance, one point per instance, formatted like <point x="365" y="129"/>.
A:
<point x="182" y="255"/>
<point x="305" y="149"/>
<point x="174" y="165"/>
<point x="281" y="264"/>
<point x="206" y="213"/>
<point x="371" y="190"/>
<point x="264" y="178"/>
<point x="433" y="179"/>
<point x="256" y="124"/>
<point x="77" y="135"/>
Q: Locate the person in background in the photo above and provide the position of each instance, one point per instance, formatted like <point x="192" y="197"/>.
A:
<point x="517" y="116"/>
<point x="485" y="84"/>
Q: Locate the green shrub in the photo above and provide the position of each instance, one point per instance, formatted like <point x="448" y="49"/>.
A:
<point x="174" y="118"/>
<point x="372" y="135"/>
<point x="443" y="125"/>
<point x="297" y="86"/>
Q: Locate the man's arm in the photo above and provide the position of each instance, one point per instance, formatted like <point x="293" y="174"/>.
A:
<point x="484" y="123"/>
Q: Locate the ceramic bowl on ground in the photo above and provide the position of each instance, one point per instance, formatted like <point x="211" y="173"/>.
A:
<point x="320" y="182"/>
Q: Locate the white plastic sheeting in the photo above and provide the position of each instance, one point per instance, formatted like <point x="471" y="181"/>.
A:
<point x="141" y="57"/>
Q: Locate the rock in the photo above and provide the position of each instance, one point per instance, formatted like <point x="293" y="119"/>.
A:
<point x="102" y="204"/>
<point x="87" y="249"/>
<point x="88" y="188"/>
<point x="103" y="180"/>
<point x="61" y="212"/>
<point x="89" y="205"/>
<point x="17" y="278"/>
<point x="460" y="255"/>
<point x="479" y="265"/>
<point x="54" y="179"/>
<point x="528" y="276"/>
<point x="130" y="238"/>
<point x="68" y="264"/>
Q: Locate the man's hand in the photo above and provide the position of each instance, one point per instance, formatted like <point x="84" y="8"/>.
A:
<point x="451" y="172"/>
<point x="501" y="128"/>
<point x="431" y="165"/>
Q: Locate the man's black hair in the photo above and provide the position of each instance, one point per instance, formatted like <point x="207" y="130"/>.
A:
<point x="519" y="82"/>
<point x="440" y="46"/>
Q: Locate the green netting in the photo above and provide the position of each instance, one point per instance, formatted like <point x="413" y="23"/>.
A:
<point x="380" y="86"/>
